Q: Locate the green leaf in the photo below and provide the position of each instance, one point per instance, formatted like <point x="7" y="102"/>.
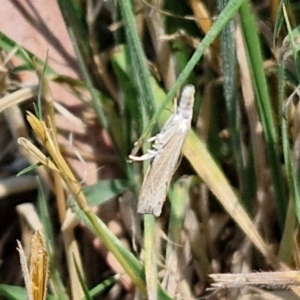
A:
<point x="13" y="292"/>
<point x="104" y="190"/>
<point x="29" y="168"/>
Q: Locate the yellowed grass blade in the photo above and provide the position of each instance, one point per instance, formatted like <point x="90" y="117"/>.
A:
<point x="196" y="152"/>
<point x="36" y="277"/>
<point x="37" y="154"/>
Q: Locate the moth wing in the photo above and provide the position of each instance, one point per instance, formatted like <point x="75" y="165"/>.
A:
<point x="159" y="174"/>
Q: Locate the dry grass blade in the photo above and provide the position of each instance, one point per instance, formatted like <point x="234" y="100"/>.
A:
<point x="15" y="185"/>
<point x="270" y="280"/>
<point x="17" y="97"/>
<point x="30" y="216"/>
<point x="202" y="15"/>
<point x="166" y="62"/>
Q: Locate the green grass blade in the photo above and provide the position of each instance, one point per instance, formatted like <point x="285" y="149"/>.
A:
<point x="150" y="256"/>
<point x="104" y="108"/>
<point x="131" y="111"/>
<point x="82" y="282"/>
<point x="265" y="110"/>
<point x="286" y="245"/>
<point x="103" y="286"/>
<point x="13" y="292"/>
<point x="74" y="20"/>
<point x="127" y="260"/>
<point x="229" y="66"/>
<point x="78" y="33"/>
<point x="104" y="190"/>
<point x="28" y="57"/>
<point x="179" y="194"/>
<point x="293" y="36"/>
<point x="130" y="264"/>
<point x="138" y="59"/>
<point x="292" y="165"/>
<point x="41" y="74"/>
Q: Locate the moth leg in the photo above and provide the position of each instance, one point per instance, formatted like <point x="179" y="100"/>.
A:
<point x="151" y="153"/>
<point x="140" y="158"/>
<point x="152" y="139"/>
<point x="157" y="139"/>
<point x="157" y="147"/>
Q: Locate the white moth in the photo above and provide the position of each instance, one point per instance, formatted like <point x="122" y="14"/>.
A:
<point x="165" y="154"/>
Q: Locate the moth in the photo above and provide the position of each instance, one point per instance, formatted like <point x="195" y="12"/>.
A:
<point x="165" y="153"/>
